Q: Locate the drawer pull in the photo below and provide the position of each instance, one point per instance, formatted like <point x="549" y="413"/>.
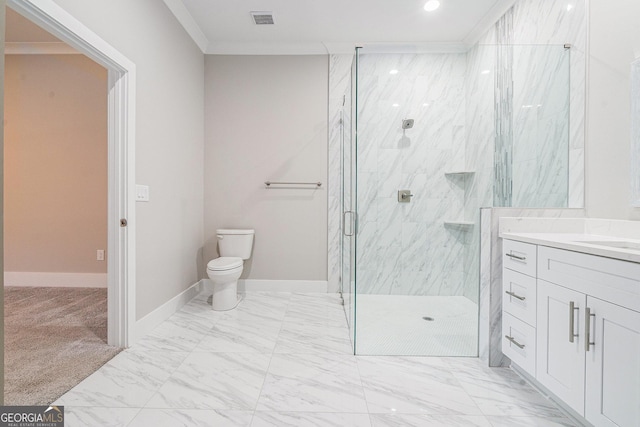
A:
<point x="518" y="257"/>
<point x="514" y="341"/>
<point x="587" y="328"/>
<point x="572" y="308"/>
<point x="513" y="294"/>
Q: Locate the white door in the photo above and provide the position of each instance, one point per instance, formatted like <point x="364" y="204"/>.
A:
<point x="612" y="396"/>
<point x="560" y="345"/>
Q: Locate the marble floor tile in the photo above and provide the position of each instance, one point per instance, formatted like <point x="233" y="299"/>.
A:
<point x="176" y="334"/>
<point x="307" y="419"/>
<point x="214" y="381"/>
<point x="413" y="385"/>
<point x="75" y="416"/>
<point x="304" y="338"/>
<point x="530" y="422"/>
<point x="240" y="336"/>
<point x="128" y="380"/>
<point x="191" y="418"/>
<point x="316" y="315"/>
<point x="285" y="360"/>
<point x="411" y="420"/>
<point x="500" y="391"/>
<point x="312" y="383"/>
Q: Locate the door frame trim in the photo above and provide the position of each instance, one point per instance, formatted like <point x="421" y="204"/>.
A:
<point x="121" y="271"/>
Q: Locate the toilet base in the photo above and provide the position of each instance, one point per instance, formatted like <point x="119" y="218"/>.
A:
<point x="225" y="296"/>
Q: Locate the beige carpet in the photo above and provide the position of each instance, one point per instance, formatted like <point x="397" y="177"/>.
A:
<point x="54" y="338"/>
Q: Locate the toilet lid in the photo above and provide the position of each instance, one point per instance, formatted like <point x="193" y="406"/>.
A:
<point x="224" y="263"/>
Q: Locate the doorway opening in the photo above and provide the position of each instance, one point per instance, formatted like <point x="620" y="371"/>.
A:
<point x="120" y="158"/>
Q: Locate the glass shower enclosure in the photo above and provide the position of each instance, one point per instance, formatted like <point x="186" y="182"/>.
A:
<point x="424" y="145"/>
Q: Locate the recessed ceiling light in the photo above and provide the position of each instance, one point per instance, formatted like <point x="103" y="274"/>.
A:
<point x="431" y="5"/>
<point x="393" y="72"/>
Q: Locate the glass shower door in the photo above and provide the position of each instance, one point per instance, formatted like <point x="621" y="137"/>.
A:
<point x="349" y="218"/>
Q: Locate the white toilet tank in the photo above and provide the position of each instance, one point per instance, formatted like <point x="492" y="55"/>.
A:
<point x="235" y="243"/>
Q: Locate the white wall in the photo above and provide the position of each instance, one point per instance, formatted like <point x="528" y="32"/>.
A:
<point x="614" y="37"/>
<point x="55" y="201"/>
<point x="169" y="139"/>
<point x="266" y="119"/>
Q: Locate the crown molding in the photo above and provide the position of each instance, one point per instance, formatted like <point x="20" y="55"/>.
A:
<point x="190" y="25"/>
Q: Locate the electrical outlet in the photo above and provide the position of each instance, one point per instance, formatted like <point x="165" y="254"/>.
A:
<point x="142" y="193"/>
<point x="100" y="255"/>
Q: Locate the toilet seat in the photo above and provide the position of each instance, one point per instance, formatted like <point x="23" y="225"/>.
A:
<point x="224" y="263"/>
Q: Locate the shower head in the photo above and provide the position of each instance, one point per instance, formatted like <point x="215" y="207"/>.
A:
<point x="407" y="123"/>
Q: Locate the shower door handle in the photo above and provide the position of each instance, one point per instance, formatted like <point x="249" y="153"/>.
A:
<point x="352" y="223"/>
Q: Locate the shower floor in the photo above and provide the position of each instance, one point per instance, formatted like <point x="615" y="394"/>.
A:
<point x="394" y="325"/>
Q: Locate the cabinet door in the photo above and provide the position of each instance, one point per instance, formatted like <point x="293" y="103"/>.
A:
<point x="560" y="363"/>
<point x="613" y="366"/>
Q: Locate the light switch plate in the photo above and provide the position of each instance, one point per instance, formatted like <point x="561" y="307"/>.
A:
<point x="142" y="193"/>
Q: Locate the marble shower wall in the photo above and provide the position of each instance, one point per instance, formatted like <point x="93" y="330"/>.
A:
<point x="339" y="86"/>
<point x="540" y="149"/>
<point x="405" y="248"/>
<point x="556" y="22"/>
<point x="535" y="22"/>
<point x="537" y="28"/>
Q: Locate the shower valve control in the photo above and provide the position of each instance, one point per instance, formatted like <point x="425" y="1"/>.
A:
<point x="404" y="196"/>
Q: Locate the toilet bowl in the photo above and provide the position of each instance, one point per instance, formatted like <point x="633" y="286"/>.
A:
<point x="234" y="246"/>
<point x="224" y="272"/>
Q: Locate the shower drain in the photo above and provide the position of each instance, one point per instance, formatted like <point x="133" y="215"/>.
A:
<point x="428" y="319"/>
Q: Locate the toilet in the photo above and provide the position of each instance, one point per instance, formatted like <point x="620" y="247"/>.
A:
<point x="234" y="247"/>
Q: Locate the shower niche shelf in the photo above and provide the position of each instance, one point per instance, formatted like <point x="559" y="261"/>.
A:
<point x="462" y="225"/>
<point x="463" y="174"/>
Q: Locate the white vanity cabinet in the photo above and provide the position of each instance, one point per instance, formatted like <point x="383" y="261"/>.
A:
<point x="612" y="395"/>
<point x="519" y="304"/>
<point x="560" y="347"/>
<point x="587" y="333"/>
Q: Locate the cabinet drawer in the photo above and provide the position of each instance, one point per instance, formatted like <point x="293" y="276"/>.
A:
<point x="519" y="257"/>
<point x="519" y="343"/>
<point x="519" y="296"/>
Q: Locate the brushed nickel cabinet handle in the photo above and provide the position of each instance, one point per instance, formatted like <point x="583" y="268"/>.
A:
<point x="513" y="294"/>
<point x="587" y="329"/>
<point x="572" y="320"/>
<point x="518" y="257"/>
<point x="514" y="341"/>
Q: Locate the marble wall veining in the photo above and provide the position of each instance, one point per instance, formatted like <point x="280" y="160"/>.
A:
<point x="405" y="248"/>
<point x="339" y="87"/>
<point x="470" y="132"/>
<point x="555" y="22"/>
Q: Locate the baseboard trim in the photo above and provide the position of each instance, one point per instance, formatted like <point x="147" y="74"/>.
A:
<point x="55" y="280"/>
<point x="258" y="285"/>
<point x="149" y="322"/>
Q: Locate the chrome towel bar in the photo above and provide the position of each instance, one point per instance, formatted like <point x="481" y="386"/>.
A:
<point x="270" y="183"/>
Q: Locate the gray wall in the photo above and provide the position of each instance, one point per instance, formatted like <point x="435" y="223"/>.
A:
<point x="56" y="164"/>
<point x="169" y="139"/>
<point x="614" y="37"/>
<point x="266" y="119"/>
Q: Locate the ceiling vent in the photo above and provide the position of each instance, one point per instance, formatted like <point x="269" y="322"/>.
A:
<point x="262" y="18"/>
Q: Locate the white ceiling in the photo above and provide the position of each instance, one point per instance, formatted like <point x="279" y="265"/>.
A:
<point x="314" y="26"/>
<point x="321" y="26"/>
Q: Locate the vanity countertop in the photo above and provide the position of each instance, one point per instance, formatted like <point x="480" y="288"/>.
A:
<point x="606" y="246"/>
